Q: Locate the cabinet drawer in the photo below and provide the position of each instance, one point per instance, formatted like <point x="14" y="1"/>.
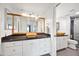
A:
<point x="13" y="51"/>
<point x="10" y="44"/>
<point x="28" y="42"/>
<point x="44" y="46"/>
<point x="44" y="43"/>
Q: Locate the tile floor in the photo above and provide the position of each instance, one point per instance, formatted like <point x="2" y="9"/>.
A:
<point x="68" y="52"/>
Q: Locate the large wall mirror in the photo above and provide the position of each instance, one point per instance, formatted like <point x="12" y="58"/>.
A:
<point x="17" y="23"/>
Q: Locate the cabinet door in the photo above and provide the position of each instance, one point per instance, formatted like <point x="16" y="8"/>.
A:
<point x="31" y="47"/>
<point x="61" y="42"/>
<point x="12" y="51"/>
<point x="64" y="42"/>
<point x="58" y="43"/>
<point x="35" y="47"/>
<point x="27" y="48"/>
<point x="44" y="46"/>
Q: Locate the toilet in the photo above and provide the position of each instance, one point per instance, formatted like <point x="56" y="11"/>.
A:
<point x="72" y="44"/>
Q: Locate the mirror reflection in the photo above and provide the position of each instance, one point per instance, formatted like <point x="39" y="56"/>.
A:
<point x="22" y="24"/>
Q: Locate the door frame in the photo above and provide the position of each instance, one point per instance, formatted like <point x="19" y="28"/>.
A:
<point x="72" y="18"/>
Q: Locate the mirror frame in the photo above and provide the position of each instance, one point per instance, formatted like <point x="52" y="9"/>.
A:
<point x="14" y="14"/>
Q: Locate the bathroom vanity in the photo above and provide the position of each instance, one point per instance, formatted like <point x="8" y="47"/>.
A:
<point x="61" y="42"/>
<point x="20" y="45"/>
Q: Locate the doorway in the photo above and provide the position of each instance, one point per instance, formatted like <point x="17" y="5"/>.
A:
<point x="75" y="29"/>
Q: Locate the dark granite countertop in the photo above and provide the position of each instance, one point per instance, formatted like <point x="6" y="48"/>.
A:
<point x="60" y="36"/>
<point x="12" y="38"/>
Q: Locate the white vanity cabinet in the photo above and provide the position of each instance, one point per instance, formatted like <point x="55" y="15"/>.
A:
<point x="44" y="46"/>
<point x="12" y="48"/>
<point x="36" y="47"/>
<point x="32" y="47"/>
<point x="61" y="42"/>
